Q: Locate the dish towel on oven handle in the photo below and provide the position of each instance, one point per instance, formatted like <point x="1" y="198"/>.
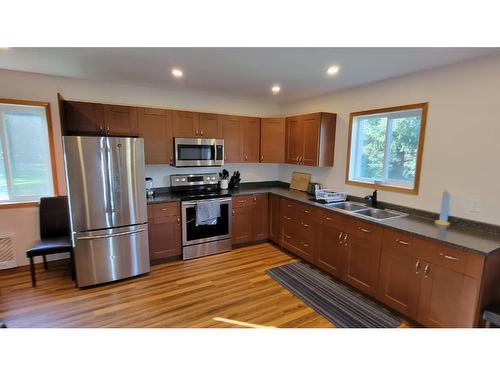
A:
<point x="207" y="212"/>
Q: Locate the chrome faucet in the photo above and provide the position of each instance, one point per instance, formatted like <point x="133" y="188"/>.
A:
<point x="373" y="199"/>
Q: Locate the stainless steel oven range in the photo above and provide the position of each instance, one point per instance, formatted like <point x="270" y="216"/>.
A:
<point x="201" y="239"/>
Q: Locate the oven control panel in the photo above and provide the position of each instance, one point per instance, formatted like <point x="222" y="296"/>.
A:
<point x="194" y="179"/>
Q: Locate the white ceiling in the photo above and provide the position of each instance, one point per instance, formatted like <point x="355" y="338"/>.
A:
<point x="237" y="72"/>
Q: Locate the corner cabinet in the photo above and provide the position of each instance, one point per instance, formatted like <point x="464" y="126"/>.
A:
<point x="310" y="139"/>
<point x="250" y="218"/>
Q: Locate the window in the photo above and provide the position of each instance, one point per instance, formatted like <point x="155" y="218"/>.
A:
<point x="25" y="151"/>
<point x="385" y="147"/>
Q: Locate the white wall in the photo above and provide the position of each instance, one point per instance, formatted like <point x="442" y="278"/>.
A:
<point x="462" y="141"/>
<point x="23" y="222"/>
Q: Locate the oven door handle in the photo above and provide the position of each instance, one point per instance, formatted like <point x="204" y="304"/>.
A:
<point x="193" y="203"/>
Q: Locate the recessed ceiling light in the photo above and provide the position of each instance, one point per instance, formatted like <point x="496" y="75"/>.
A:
<point x="177" y="73"/>
<point x="334" y="69"/>
<point x="276" y="89"/>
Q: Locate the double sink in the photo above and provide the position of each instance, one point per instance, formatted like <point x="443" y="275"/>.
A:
<point x="377" y="214"/>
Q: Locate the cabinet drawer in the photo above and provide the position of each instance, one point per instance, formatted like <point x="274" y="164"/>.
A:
<point x="164" y="210"/>
<point x="243" y="201"/>
<point x="366" y="231"/>
<point x="327" y="218"/>
<point x="456" y="260"/>
<point x="405" y="243"/>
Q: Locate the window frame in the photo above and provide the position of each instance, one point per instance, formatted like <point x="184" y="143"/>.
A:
<point x="420" y="148"/>
<point x="50" y="133"/>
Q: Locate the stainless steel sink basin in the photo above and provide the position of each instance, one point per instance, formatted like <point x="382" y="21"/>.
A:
<point x="348" y="206"/>
<point x="379" y="214"/>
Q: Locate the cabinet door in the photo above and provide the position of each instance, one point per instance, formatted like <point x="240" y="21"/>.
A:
<point x="294" y="140"/>
<point x="447" y="298"/>
<point x="272" y="140"/>
<point x="185" y="124"/>
<point x="83" y="118"/>
<point x="260" y="217"/>
<point x="250" y="132"/>
<point x="232" y="138"/>
<point x="362" y="264"/>
<point x="155" y="126"/>
<point x="210" y="126"/>
<point x="399" y="281"/>
<point x="330" y="249"/>
<point x="120" y="120"/>
<point x="274" y="218"/>
<point x="290" y="235"/>
<point x="242" y="224"/>
<point x="164" y="237"/>
<point x="310" y="125"/>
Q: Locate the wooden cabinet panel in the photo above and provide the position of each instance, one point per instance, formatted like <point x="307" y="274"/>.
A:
<point x="250" y="141"/>
<point x="272" y="140"/>
<point x="120" y="120"/>
<point x="274" y="218"/>
<point x="155" y="126"/>
<point x="242" y="224"/>
<point x="362" y="264"/>
<point x="210" y="126"/>
<point x="83" y="118"/>
<point x="231" y="132"/>
<point x="243" y="201"/>
<point x="447" y="298"/>
<point x="294" y="140"/>
<point x="185" y="124"/>
<point x="165" y="209"/>
<point x="310" y="124"/>
<point x="260" y="217"/>
<point x="164" y="237"/>
<point x="399" y="281"/>
<point x="330" y="248"/>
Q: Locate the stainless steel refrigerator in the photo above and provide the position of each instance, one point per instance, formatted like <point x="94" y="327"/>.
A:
<point x="105" y="180"/>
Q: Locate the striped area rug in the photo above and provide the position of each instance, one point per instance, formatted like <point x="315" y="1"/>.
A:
<point x="338" y="303"/>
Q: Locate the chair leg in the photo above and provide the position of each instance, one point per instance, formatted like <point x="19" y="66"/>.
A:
<point x="45" y="265"/>
<point x="72" y="260"/>
<point x="32" y="269"/>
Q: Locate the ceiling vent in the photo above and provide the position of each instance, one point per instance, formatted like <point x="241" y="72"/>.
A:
<point x="7" y="255"/>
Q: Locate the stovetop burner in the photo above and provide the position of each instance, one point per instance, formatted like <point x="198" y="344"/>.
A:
<point x="191" y="195"/>
<point x="197" y="186"/>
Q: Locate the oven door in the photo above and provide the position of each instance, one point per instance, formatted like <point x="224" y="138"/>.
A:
<point x="194" y="234"/>
<point x="198" y="152"/>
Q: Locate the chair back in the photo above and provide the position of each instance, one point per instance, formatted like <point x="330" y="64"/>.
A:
<point x="54" y="217"/>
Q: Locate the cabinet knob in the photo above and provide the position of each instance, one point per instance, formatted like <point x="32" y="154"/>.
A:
<point x="262" y="157"/>
<point x="426" y="271"/>
<point x="246" y="157"/>
<point x="297" y="159"/>
<point x="178" y="219"/>
<point x="417" y="266"/>
<point x="201" y="133"/>
<point x="233" y="211"/>
<point x="340" y="236"/>
<point x="196" y="132"/>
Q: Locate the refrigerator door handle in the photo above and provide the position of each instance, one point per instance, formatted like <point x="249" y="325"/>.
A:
<point x="110" y="235"/>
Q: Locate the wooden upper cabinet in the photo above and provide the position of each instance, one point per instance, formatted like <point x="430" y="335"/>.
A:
<point x="120" y="120"/>
<point x="185" y="124"/>
<point x="210" y="126"/>
<point x="83" y="118"/>
<point x="310" y="139"/>
<point x="155" y="126"/>
<point x="250" y="139"/>
<point x="272" y="140"/>
<point x="231" y="132"/>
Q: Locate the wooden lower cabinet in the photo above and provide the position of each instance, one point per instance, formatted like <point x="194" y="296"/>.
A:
<point x="274" y="218"/>
<point x="164" y="230"/>
<point x="250" y="218"/>
<point x="297" y="234"/>
<point x="330" y="249"/>
<point x="447" y="298"/>
<point x="399" y="281"/>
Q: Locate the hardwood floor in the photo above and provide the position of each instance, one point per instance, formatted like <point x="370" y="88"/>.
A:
<point x="224" y="290"/>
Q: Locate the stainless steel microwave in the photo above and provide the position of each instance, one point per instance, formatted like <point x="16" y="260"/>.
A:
<point x="198" y="152"/>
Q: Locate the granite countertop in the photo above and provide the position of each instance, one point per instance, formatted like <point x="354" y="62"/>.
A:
<point x="460" y="236"/>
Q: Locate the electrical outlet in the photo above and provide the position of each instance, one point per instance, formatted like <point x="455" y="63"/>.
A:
<point x="476" y="205"/>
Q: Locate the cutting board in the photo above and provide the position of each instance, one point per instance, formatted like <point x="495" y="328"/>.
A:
<point x="300" y="181"/>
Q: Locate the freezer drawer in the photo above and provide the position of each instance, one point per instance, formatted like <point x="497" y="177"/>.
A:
<point x="111" y="254"/>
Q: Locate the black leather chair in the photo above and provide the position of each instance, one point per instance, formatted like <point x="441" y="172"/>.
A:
<point x="492" y="315"/>
<point x="54" y="233"/>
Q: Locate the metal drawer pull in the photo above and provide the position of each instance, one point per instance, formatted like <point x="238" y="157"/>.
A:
<point x="289" y="205"/>
<point x="287" y="218"/>
<point x="340" y="236"/>
<point x="364" y="230"/>
<point x="328" y="218"/>
<point x="417" y="266"/>
<point x="163" y="209"/>
<point x="345" y="237"/>
<point x="304" y="244"/>
<point x="450" y="257"/>
<point x="307" y="211"/>
<point x="110" y="235"/>
<point x="305" y="225"/>
<point x="288" y="237"/>
<point x="401" y="242"/>
<point x="426" y="271"/>
<point x="243" y="201"/>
